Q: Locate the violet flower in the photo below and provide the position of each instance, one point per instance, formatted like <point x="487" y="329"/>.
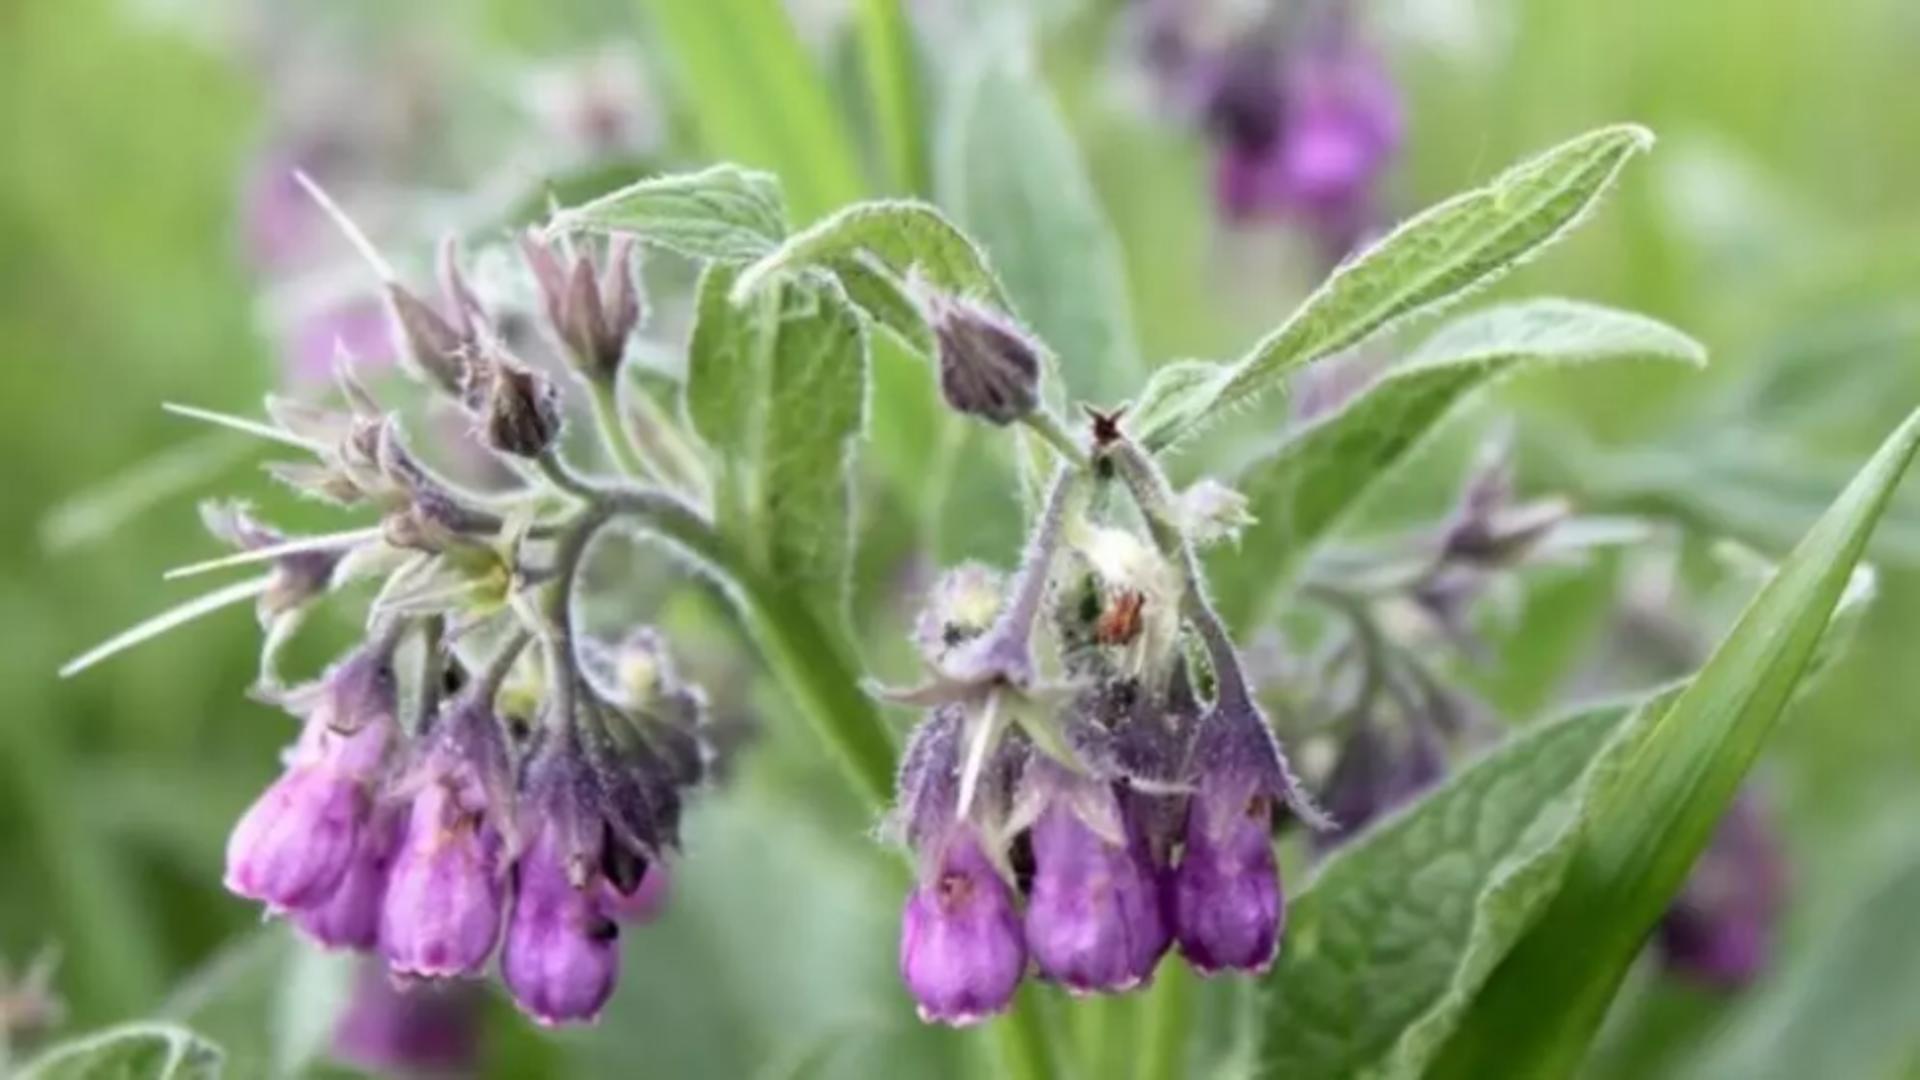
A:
<point x="295" y="845"/>
<point x="962" y="952"/>
<point x="411" y="1029"/>
<point x="1094" y="913"/>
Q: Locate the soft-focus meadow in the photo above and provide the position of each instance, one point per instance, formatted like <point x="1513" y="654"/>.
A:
<point x="1776" y="221"/>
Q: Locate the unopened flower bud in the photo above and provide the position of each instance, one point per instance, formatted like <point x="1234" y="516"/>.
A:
<point x="590" y="311"/>
<point x="517" y="409"/>
<point x="961" y="607"/>
<point x="988" y="367"/>
<point x="1212" y="512"/>
<point x="962" y="951"/>
<point x="437" y="347"/>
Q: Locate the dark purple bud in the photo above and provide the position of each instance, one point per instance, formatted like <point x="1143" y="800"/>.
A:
<point x="988" y="367"/>
<point x="350" y="918"/>
<point x="1227" y="907"/>
<point x="1094" y="919"/>
<point x="1720" y="929"/>
<point x="591" y="311"/>
<point x="295" y="845"/>
<point x="562" y="949"/>
<point x="1378" y="771"/>
<point x="411" y="1029"/>
<point x="446" y="889"/>
<point x="517" y="409"/>
<point x="962" y="951"/>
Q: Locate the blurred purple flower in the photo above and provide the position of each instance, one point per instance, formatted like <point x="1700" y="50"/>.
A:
<point x="1720" y="929"/>
<point x="1304" y="133"/>
<point x="411" y="1029"/>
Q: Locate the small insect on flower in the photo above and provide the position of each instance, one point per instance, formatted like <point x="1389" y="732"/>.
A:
<point x="1120" y="622"/>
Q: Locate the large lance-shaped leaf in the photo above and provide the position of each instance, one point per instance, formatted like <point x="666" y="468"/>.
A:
<point x="755" y="97"/>
<point x="1009" y="169"/>
<point x="908" y="239"/>
<point x="778" y="388"/>
<point x="1300" y="494"/>
<point x="146" y="1051"/>
<point x="1432" y="260"/>
<point x="1539" y="1011"/>
<point x="1385" y="950"/>
<point x="718" y="213"/>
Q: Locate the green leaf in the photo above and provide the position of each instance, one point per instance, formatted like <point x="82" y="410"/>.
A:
<point x="756" y="97"/>
<point x="1009" y="169"/>
<point x="883" y="299"/>
<point x="778" y="388"/>
<point x="719" y="213"/>
<point x="1175" y="399"/>
<point x="130" y="1052"/>
<point x="1438" y="256"/>
<point x="1387" y="947"/>
<point x="910" y="239"/>
<point x="1541" y="1008"/>
<point x="1300" y="494"/>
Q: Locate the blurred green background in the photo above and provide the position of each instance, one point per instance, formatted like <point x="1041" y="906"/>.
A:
<point x="1777" y="222"/>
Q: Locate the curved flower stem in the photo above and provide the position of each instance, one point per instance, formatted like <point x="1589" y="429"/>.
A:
<point x="604" y="394"/>
<point x="810" y="661"/>
<point x="1044" y="423"/>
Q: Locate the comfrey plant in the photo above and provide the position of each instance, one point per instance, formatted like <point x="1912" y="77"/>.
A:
<point x="1093" y="780"/>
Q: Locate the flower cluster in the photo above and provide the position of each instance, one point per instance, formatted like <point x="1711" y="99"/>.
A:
<point x="454" y="794"/>
<point x="1083" y="819"/>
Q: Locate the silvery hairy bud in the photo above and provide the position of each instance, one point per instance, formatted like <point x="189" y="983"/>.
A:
<point x="298" y="577"/>
<point x="517" y="409"/>
<point x="591" y="311"/>
<point x="988" y="367"/>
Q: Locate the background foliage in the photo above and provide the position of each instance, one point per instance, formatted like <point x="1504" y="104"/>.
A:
<point x="1775" y="224"/>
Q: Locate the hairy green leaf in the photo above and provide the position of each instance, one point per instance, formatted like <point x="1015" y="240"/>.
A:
<point x="130" y="1052"/>
<point x="778" y="387"/>
<point x="755" y="97"/>
<point x="719" y="213"/>
<point x="1438" y="256"/>
<point x="1539" y="1011"/>
<point x="1010" y="170"/>
<point x="910" y="239"/>
<point x="1300" y="494"/>
<point x="1389" y="944"/>
<point x="883" y="299"/>
<point x="1176" y="397"/>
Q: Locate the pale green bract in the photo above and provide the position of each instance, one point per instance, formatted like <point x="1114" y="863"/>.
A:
<point x="1539" y="1012"/>
<point x="1301" y="493"/>
<point x="1434" y="259"/>
<point x="143" y="1051"/>
<point x="724" y="212"/>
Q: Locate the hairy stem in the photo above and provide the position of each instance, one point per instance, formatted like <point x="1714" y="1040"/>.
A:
<point x="604" y="393"/>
